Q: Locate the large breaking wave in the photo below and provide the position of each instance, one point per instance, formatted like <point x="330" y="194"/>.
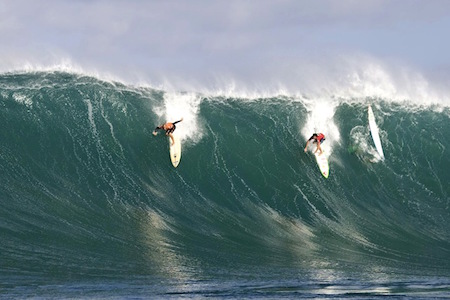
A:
<point x="86" y="190"/>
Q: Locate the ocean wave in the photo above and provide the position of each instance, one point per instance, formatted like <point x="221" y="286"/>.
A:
<point x="81" y="174"/>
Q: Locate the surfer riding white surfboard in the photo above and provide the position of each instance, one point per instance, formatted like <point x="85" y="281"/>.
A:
<point x="175" y="143"/>
<point x="321" y="158"/>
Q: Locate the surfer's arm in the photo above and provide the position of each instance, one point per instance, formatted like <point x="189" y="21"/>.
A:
<point x="155" y="132"/>
<point x="306" y="147"/>
<point x="177" y="121"/>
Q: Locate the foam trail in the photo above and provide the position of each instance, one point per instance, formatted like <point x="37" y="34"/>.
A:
<point x="361" y="144"/>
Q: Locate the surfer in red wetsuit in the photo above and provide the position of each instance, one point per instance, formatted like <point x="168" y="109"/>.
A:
<point x="169" y="128"/>
<point x="317" y="138"/>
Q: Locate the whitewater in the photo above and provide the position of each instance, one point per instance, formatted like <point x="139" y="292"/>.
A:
<point x="91" y="206"/>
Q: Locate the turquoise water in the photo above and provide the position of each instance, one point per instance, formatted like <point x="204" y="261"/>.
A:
<point x="91" y="206"/>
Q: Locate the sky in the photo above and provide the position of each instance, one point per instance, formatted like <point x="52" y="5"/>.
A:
<point x="285" y="45"/>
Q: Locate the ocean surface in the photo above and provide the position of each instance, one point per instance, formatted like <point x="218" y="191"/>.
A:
<point x="91" y="207"/>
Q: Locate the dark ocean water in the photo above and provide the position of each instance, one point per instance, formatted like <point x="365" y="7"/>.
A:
<point x="90" y="206"/>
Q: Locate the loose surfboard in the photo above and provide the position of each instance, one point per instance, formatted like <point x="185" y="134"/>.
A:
<point x="322" y="162"/>
<point x="175" y="150"/>
<point x="374" y="132"/>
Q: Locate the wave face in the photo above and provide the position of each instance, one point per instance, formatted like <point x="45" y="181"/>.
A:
<point x="91" y="206"/>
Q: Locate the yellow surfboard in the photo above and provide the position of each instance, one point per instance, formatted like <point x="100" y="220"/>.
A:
<point x="175" y="150"/>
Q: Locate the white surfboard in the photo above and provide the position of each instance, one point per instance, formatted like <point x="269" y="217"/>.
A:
<point x="374" y="132"/>
<point x="175" y="150"/>
<point x="322" y="162"/>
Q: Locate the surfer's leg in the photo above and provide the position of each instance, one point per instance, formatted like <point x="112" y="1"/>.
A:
<point x="319" y="148"/>
<point x="171" y="137"/>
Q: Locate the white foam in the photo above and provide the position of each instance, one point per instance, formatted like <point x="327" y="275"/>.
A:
<point x="22" y="99"/>
<point x="348" y="79"/>
<point x="362" y="144"/>
<point x="64" y="65"/>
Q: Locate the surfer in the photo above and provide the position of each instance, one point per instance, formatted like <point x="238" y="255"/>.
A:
<point x="169" y="128"/>
<point x="316" y="138"/>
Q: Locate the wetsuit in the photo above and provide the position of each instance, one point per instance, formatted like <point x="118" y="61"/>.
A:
<point x="317" y="137"/>
<point x="170" y="130"/>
